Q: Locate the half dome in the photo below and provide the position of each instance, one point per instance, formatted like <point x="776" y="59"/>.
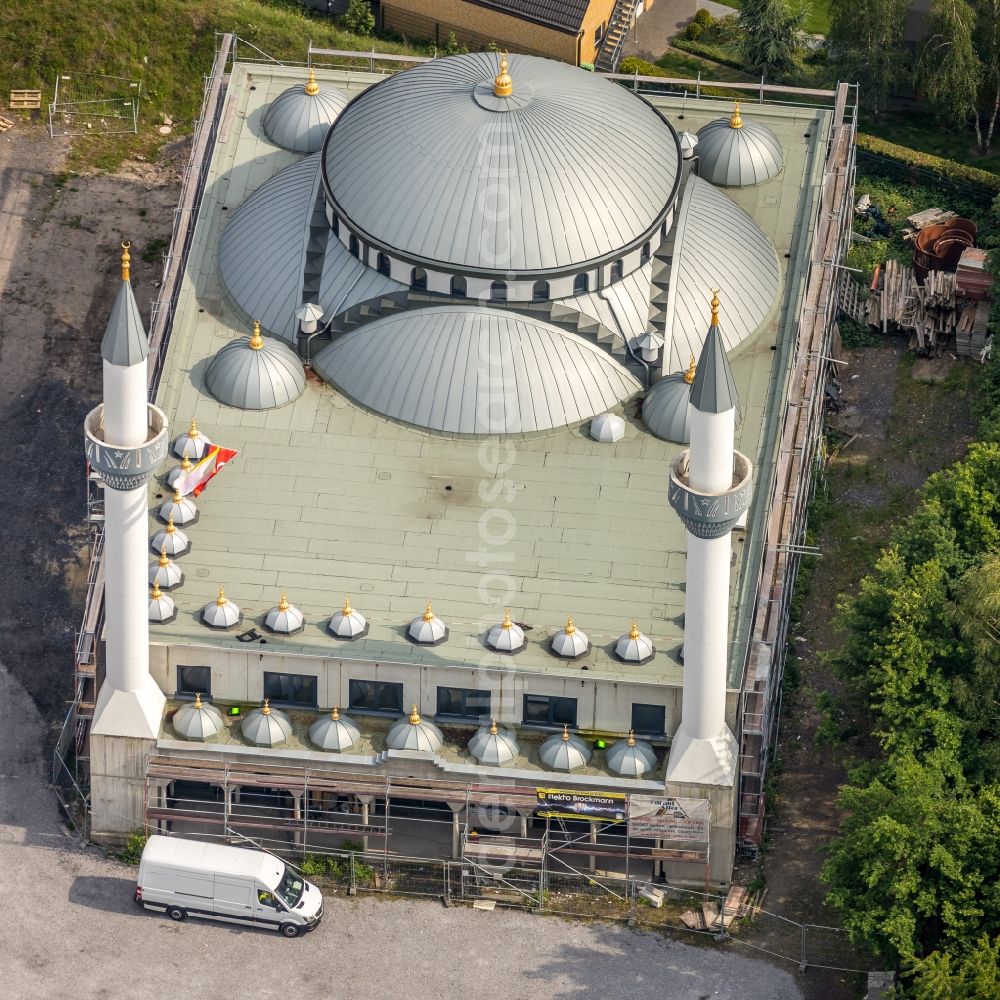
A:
<point x="493" y="745"/>
<point x="413" y="733"/>
<point x="255" y="373"/>
<point x="335" y="733"/>
<point x="564" y="752"/>
<point x="266" y="726"/>
<point x="299" y="117"/>
<point x="733" y="152"/>
<point x="197" y="721"/>
<point x="426" y="367"/>
<point x="589" y="169"/>
<point x="631" y="758"/>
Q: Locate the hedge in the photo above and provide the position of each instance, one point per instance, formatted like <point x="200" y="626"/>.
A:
<point x="914" y="158"/>
<point x="705" y="51"/>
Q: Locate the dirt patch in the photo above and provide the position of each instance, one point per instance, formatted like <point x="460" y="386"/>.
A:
<point x="59" y="234"/>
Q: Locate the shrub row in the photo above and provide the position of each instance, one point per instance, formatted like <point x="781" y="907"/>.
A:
<point x="915" y="158"/>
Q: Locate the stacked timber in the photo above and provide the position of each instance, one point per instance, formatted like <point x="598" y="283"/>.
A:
<point x="973" y="279"/>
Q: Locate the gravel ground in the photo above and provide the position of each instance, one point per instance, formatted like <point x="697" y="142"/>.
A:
<point x="70" y="930"/>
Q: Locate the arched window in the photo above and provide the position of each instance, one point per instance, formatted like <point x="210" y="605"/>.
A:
<point x="418" y="279"/>
<point x="383" y="264"/>
<point x="354" y="246"/>
<point x="498" y="291"/>
<point x="458" y="286"/>
<point x="644" y="257"/>
<point x="581" y="284"/>
<point x="540" y="291"/>
<point x="617" y="270"/>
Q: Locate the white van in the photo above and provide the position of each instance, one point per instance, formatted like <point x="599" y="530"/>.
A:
<point x="239" y="886"/>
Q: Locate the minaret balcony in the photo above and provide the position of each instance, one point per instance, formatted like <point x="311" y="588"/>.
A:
<point x="710" y="515"/>
<point x="126" y="468"/>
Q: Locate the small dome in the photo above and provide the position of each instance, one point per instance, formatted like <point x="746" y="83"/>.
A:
<point x="170" y="539"/>
<point x="736" y="153"/>
<point x="178" y="471"/>
<point x="221" y="613"/>
<point x="564" y="752"/>
<point x="634" y="647"/>
<point x="428" y="629"/>
<point x="335" y="733"/>
<point x="689" y="142"/>
<point x="162" y="610"/>
<point x="413" y="733"/>
<point x="266" y="726"/>
<point x="299" y="117"/>
<point x="570" y="642"/>
<point x="347" y="623"/>
<point x="607" y="428"/>
<point x="492" y="745"/>
<point x="255" y="373"/>
<point x="197" y="721"/>
<point x="192" y="444"/>
<point x="665" y="408"/>
<point x="284" y="618"/>
<point x="507" y="637"/>
<point x="631" y="758"/>
<point x="182" y="510"/>
<point x="165" y="574"/>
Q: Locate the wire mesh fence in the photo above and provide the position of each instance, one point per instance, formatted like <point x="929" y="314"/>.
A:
<point x="88" y="103"/>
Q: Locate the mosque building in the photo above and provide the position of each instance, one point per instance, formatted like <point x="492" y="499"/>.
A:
<point x="496" y="354"/>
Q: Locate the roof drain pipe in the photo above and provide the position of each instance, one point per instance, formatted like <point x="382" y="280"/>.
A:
<point x="621" y="333"/>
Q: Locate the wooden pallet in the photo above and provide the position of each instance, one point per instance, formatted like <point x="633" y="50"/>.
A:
<point x="25" y="100"/>
<point x="5" y="124"/>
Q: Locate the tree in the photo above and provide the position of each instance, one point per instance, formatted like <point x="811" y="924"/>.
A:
<point x="950" y="70"/>
<point x="359" y="18"/>
<point x="986" y="40"/>
<point x="770" y="34"/>
<point x="867" y="43"/>
<point x="970" y="975"/>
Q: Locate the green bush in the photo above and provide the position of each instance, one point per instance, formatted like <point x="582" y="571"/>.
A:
<point x="359" y="18"/>
<point x="693" y="31"/>
<point x="914" y="158"/>
<point x="132" y="851"/>
<point x="706" y="51"/>
<point x="703" y="18"/>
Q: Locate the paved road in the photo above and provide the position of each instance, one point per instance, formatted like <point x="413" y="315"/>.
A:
<point x="69" y="930"/>
<point x="664" y="21"/>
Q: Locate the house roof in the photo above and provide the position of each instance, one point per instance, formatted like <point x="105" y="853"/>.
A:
<point x="563" y="15"/>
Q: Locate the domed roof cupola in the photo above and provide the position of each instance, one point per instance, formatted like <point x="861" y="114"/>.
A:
<point x="413" y="733"/>
<point x="335" y="733"/>
<point x="162" y="610"/>
<point x="255" y="373"/>
<point x="428" y="629"/>
<point x="221" y="613"/>
<point x="165" y="574"/>
<point x="266" y="726"/>
<point x="299" y="118"/>
<point x="737" y="153"/>
<point x="171" y="538"/>
<point x="564" y="752"/>
<point x="347" y="623"/>
<point x="284" y="618"/>
<point x="507" y="637"/>
<point x="181" y="510"/>
<point x="191" y="444"/>
<point x="631" y="758"/>
<point x="634" y="647"/>
<point x="197" y="721"/>
<point x="492" y="745"/>
<point x="570" y="642"/>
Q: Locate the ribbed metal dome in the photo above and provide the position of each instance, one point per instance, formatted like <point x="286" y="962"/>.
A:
<point x="507" y="636"/>
<point x="564" y="752"/>
<point x="164" y="573"/>
<point x="733" y="152"/>
<point x="665" y="408"/>
<point x="631" y="758"/>
<point x="607" y="428"/>
<point x="197" y="721"/>
<point x="427" y="629"/>
<point x="347" y="623"/>
<point x="221" y="613"/>
<point x="587" y="167"/>
<point x="570" y="642"/>
<point x="634" y="647"/>
<point x="425" y="368"/>
<point x="181" y="510"/>
<point x="266" y="726"/>
<point x="335" y="733"/>
<point x="284" y="618"/>
<point x="162" y="610"/>
<point x="299" y="117"/>
<point x="255" y="373"/>
<point x="171" y="538"/>
<point x="492" y="745"/>
<point x="191" y="444"/>
<point x="413" y="733"/>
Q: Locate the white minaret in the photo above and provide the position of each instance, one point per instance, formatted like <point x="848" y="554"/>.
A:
<point x="710" y="490"/>
<point x="126" y="440"/>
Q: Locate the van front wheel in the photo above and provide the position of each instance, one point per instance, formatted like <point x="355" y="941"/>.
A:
<point x="289" y="930"/>
<point x="175" y="913"/>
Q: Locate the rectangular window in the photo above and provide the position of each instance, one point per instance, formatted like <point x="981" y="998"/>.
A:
<point x="542" y="710"/>
<point x="463" y="703"/>
<point x="649" y="720"/>
<point x="290" y="689"/>
<point x="194" y="680"/>
<point x="383" y="697"/>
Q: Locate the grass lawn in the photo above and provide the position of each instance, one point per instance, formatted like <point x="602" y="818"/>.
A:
<point x="818" y="21"/>
<point x="684" y="65"/>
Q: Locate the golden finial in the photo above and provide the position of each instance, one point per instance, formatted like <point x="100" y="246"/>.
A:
<point x="177" y="498"/>
<point x="506" y="623"/>
<point x="222" y="602"/>
<point x="193" y="429"/>
<point x="736" y="121"/>
<point x="692" y="370"/>
<point x="428" y="614"/>
<point x="164" y="561"/>
<point x="157" y="593"/>
<point x="493" y="727"/>
<point x="197" y="700"/>
<point x="503" y="85"/>
<point x="715" y="307"/>
<point x="335" y="714"/>
<point x="414" y="716"/>
<point x="186" y="464"/>
<point x="312" y="87"/>
<point x="256" y="341"/>
<point x="126" y="259"/>
<point x="171" y="527"/>
<point x="633" y="632"/>
<point x="631" y="738"/>
<point x="266" y="710"/>
<point x="565" y="735"/>
<point x="283" y="602"/>
<point x="346" y="609"/>
<point x="570" y="627"/>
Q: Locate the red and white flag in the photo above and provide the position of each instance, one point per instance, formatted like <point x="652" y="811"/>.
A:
<point x="196" y="479"/>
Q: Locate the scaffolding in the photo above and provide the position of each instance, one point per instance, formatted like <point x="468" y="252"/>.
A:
<point x="92" y="104"/>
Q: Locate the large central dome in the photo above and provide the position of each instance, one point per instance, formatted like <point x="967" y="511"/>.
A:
<point x="431" y="167"/>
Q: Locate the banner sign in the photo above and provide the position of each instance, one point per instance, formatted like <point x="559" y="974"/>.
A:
<point x="594" y="806"/>
<point x="663" y="818"/>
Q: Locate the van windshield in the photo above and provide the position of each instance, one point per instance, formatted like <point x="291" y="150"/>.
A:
<point x="290" y="888"/>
